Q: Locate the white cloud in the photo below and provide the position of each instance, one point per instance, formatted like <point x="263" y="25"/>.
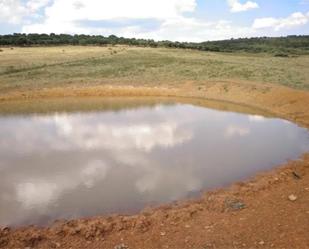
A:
<point x="11" y="11"/>
<point x="36" y="194"/>
<point x="68" y="21"/>
<point x="169" y="15"/>
<point x="94" y="170"/>
<point x="294" y="20"/>
<point x="236" y="6"/>
<point x="34" y="5"/>
<point x="184" y="29"/>
<point x="167" y="18"/>
<point x="14" y="11"/>
<point x="55" y="26"/>
<point x="73" y="133"/>
<point x="125" y="141"/>
<point x="256" y="118"/>
<point x="106" y="9"/>
<point x="235" y="130"/>
<point x="175" y="29"/>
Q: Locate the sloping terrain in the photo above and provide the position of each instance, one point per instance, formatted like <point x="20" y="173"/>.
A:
<point x="268" y="211"/>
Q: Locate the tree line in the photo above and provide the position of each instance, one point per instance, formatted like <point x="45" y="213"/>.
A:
<point x="280" y="46"/>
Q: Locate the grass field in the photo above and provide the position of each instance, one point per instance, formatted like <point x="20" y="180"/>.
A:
<point x="44" y="67"/>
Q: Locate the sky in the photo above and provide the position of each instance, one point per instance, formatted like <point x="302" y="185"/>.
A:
<point x="176" y="20"/>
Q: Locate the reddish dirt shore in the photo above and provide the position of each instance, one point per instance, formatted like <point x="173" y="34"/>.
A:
<point x="270" y="210"/>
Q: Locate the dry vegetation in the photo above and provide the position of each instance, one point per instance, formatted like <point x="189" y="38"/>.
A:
<point x="45" y="67"/>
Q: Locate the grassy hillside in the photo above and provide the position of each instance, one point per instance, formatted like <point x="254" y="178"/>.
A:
<point x="38" y="67"/>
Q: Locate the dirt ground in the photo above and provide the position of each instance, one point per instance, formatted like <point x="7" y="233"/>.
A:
<point x="270" y="210"/>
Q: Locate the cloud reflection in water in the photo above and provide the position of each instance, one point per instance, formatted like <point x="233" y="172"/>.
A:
<point x="69" y="165"/>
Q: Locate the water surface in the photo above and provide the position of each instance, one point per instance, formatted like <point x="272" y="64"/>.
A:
<point x="118" y="160"/>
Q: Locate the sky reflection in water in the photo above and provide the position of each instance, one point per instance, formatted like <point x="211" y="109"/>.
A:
<point x="82" y="164"/>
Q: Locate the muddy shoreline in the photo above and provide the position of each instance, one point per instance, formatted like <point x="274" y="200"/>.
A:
<point x="253" y="214"/>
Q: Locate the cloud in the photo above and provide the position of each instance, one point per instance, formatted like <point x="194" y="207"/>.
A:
<point x="69" y="133"/>
<point x="294" y="20"/>
<point x="256" y="118"/>
<point x="70" y="11"/>
<point x="34" y="5"/>
<point x="151" y="19"/>
<point x="36" y="193"/>
<point x="168" y="20"/>
<point x="235" y="130"/>
<point x="175" y="29"/>
<point x="184" y="29"/>
<point x="15" y="11"/>
<point x="95" y="170"/>
<point x="236" y="6"/>
<point x="117" y="9"/>
<point x="119" y="145"/>
<point x="11" y="11"/>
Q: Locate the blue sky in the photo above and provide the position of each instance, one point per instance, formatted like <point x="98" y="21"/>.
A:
<point x="183" y="20"/>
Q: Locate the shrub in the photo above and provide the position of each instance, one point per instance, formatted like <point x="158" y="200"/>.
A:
<point x="281" y="55"/>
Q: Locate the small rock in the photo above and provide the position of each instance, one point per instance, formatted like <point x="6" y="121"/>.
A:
<point x="296" y="176"/>
<point x="5" y="229"/>
<point x="163" y="233"/>
<point x="121" y="246"/>
<point x="208" y="227"/>
<point x="292" y="197"/>
<point x="209" y="246"/>
<point x="261" y="242"/>
<point x="55" y="245"/>
<point x="98" y="233"/>
<point x="187" y="226"/>
<point x="234" y="204"/>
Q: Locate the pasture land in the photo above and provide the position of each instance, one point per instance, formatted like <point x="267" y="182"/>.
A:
<point x="47" y="67"/>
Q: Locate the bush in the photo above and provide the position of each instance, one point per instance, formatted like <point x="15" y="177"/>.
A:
<point x="281" y="55"/>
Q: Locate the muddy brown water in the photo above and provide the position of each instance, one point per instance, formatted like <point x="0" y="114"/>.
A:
<point x="65" y="162"/>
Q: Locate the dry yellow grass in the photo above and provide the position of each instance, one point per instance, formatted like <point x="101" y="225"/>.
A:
<point x="45" y="67"/>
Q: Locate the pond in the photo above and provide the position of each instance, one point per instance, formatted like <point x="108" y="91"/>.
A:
<point x="72" y="160"/>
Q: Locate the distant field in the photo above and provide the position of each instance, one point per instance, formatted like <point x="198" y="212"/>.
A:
<point x="44" y="67"/>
